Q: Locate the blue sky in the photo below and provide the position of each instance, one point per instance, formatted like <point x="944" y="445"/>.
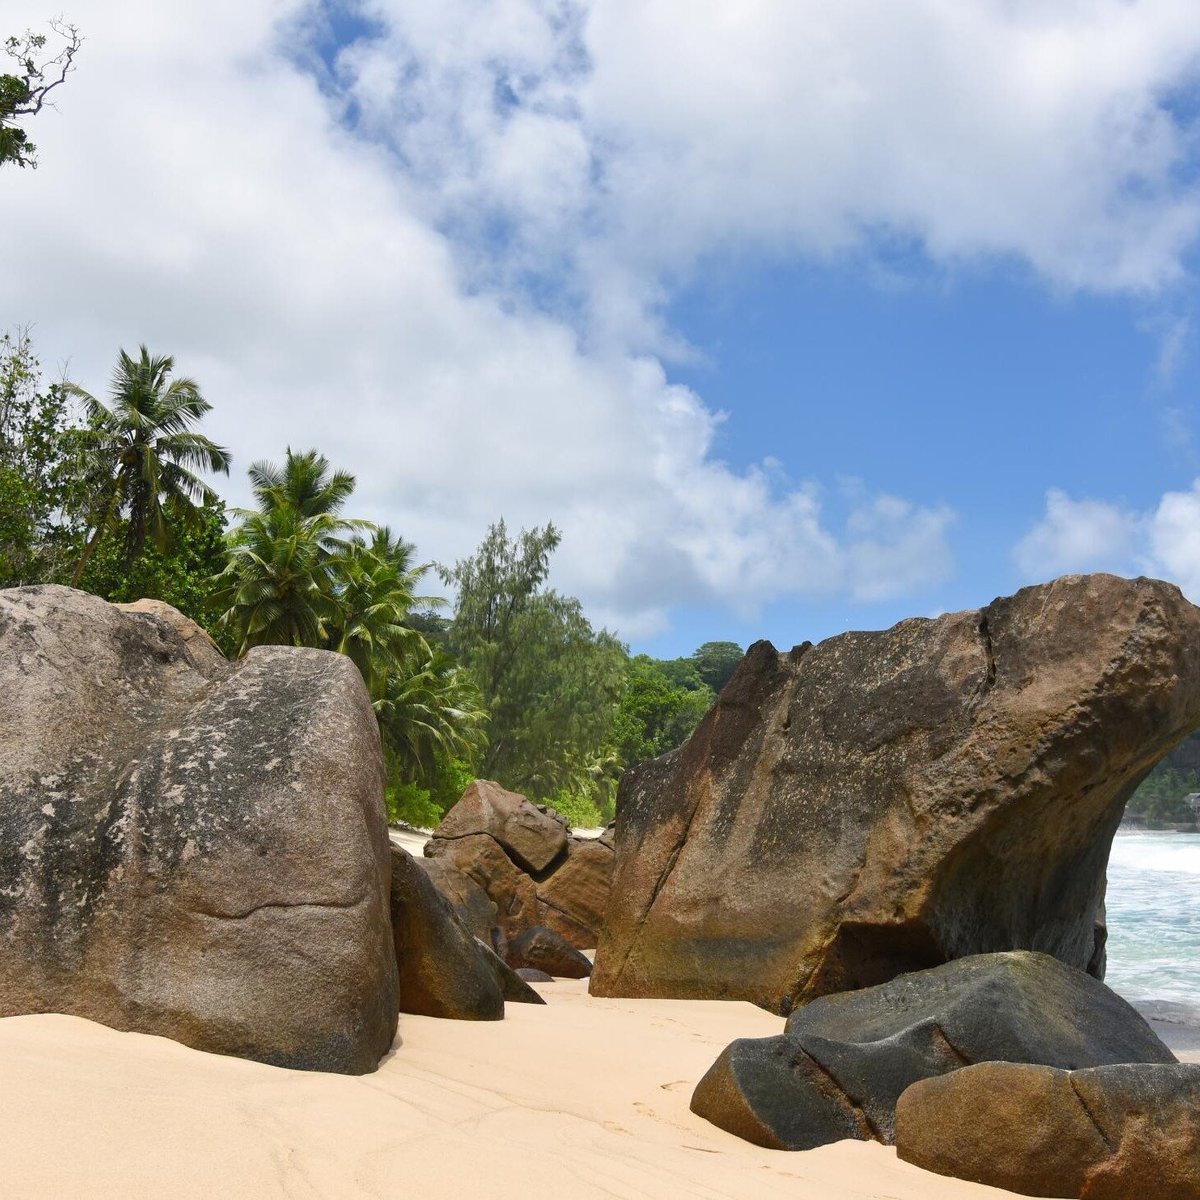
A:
<point x="979" y="390"/>
<point x="794" y="317"/>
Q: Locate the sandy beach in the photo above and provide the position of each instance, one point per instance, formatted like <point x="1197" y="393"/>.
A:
<point x="581" y="1098"/>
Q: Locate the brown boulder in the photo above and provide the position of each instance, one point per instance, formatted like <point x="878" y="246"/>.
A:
<point x="480" y="858"/>
<point x="573" y="899"/>
<point x="473" y="905"/>
<point x="443" y="970"/>
<point x="545" y="950"/>
<point x="190" y="847"/>
<point x="1106" y="1133"/>
<point x="532" y="837"/>
<point x="885" y="802"/>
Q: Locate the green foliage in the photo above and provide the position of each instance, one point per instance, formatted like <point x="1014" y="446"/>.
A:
<point x="279" y="587"/>
<point x="424" y="807"/>
<point x="715" y="663"/>
<point x="657" y="713"/>
<point x="1160" y="797"/>
<point x="39" y="466"/>
<point x="23" y="93"/>
<point x="551" y="682"/>
<point x="300" y="573"/>
<point x="141" y="455"/>
<point x="181" y="575"/>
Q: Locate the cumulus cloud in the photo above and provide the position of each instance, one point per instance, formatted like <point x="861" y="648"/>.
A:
<point x="1090" y="535"/>
<point x="445" y="260"/>
<point x="631" y="138"/>
<point x="1078" y="535"/>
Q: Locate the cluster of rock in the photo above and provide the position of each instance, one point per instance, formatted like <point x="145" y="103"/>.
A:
<point x="510" y="867"/>
<point x="851" y="816"/>
<point x="1007" y="1069"/>
<point x="197" y="848"/>
<point x="897" y="838"/>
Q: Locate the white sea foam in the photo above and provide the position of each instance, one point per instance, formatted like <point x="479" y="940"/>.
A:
<point x="1153" y="910"/>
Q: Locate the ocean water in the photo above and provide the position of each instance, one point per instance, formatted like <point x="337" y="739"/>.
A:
<point x="1153" y="911"/>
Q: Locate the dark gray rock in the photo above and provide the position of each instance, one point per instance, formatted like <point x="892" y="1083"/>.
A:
<point x="191" y="847"/>
<point x="885" y="802"/>
<point x="513" y="984"/>
<point x="533" y="975"/>
<point x="443" y="969"/>
<point x="844" y="1061"/>
<point x="1105" y="1133"/>
<point x="547" y="951"/>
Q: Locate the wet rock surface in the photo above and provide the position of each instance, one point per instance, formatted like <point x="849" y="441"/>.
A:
<point x="191" y="847"/>
<point x="885" y="802"/>
<point x="844" y="1061"/>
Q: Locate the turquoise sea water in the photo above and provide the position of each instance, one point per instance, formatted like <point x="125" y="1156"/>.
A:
<point x="1153" y="911"/>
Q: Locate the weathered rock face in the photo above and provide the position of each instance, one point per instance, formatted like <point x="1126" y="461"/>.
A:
<point x="844" y="1061"/>
<point x="190" y="847"/>
<point x="1108" y="1133"/>
<point x="443" y="969"/>
<point x="885" y="802"/>
<point x="545" y="950"/>
<point x="533" y="838"/>
<point x="509" y="865"/>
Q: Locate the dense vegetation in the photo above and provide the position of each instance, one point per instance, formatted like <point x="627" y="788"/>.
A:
<point x="1160" y="798"/>
<point x="512" y="683"/>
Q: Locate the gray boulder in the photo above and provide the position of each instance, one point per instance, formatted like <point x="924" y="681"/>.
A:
<point x="191" y="847"/>
<point x="885" y="802"/>
<point x="844" y="1061"/>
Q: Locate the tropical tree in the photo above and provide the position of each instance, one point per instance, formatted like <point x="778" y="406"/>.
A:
<point x="375" y="588"/>
<point x="39" y="492"/>
<point x="281" y="582"/>
<point x="141" y="454"/>
<point x="24" y="92"/>
<point x="431" y="712"/>
<point x="551" y="682"/>
<point x="301" y="573"/>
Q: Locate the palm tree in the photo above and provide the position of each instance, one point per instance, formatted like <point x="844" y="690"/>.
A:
<point x="302" y="483"/>
<point x="280" y="586"/>
<point x="376" y="591"/>
<point x="141" y="455"/>
<point x="277" y="588"/>
<point x="431" y="710"/>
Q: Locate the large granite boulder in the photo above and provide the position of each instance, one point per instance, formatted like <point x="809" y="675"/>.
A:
<point x="499" y="858"/>
<point x="844" y="1061"/>
<point x="1107" y="1133"/>
<point x="191" y="847"/>
<point x="884" y="802"/>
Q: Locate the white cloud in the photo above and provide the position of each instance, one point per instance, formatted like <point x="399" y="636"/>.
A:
<point x="198" y="193"/>
<point x="460" y="296"/>
<point x="1089" y="535"/>
<point x="1038" y="132"/>
<point x="1174" y="539"/>
<point x="1078" y="535"/>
